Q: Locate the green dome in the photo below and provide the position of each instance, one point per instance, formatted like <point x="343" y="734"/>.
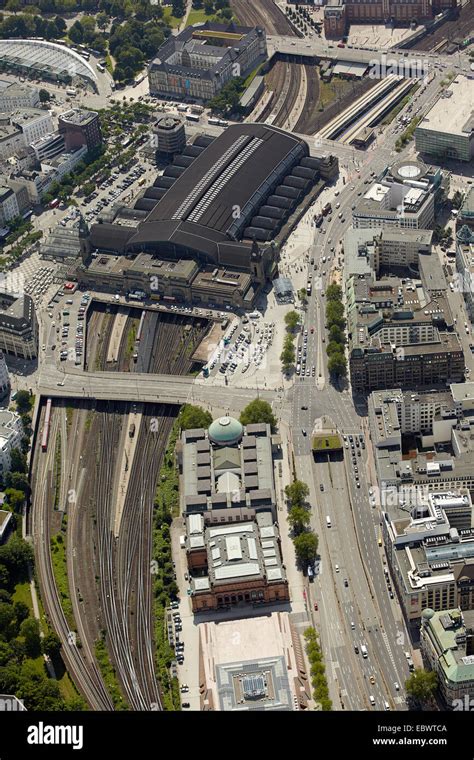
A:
<point x="225" y="431"/>
<point x="427" y="613"/>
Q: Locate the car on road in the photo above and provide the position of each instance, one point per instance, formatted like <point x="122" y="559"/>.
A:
<point x="353" y="625"/>
<point x="336" y="568"/>
<point x="321" y="487"/>
<point x="372" y="700"/>
<point x="185" y="704"/>
<point x="304" y="407"/>
<point x="316" y="606"/>
<point x="372" y="679"/>
<point x="356" y="649"/>
<point x="397" y="687"/>
<point x="346" y="583"/>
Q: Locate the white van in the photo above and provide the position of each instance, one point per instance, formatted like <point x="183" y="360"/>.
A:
<point x="328" y="521"/>
<point x="386" y="705"/>
<point x="372" y="700"/>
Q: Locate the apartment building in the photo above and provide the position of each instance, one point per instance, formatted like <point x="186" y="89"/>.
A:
<point x="22" y="127"/>
<point x="80" y="128"/>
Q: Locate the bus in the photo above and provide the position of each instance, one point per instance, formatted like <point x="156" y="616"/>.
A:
<point x="192" y="117"/>
<point x="308" y="289"/>
<point x="54" y="203"/>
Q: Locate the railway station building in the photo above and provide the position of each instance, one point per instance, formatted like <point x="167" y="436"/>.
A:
<point x="224" y="203"/>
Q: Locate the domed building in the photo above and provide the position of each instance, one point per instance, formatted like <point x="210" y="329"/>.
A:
<point x="225" y="431"/>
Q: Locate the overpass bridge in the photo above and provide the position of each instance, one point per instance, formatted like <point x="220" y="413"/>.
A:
<point x="296" y="47"/>
<point x="144" y="388"/>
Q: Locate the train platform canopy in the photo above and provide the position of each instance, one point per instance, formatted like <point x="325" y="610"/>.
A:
<point x="350" y="69"/>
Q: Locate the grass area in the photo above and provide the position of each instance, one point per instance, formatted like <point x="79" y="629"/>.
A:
<point x="109" y="676"/>
<point x="57" y="473"/>
<point x="164" y="586"/>
<point x="69" y="413"/>
<point x="198" y="17"/>
<point x="108" y="64"/>
<point x="58" y="557"/>
<point x="131" y="335"/>
<point x="66" y="686"/>
<point x="325" y="442"/>
<point x="399" y="107"/>
<point x="169" y="18"/>
<point x="88" y="422"/>
<point x="331" y="91"/>
<point x="252" y="75"/>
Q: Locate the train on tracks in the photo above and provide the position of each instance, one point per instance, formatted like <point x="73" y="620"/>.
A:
<point x="46" y="426"/>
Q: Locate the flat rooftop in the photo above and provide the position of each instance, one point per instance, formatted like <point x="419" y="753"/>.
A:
<point x="454" y="114"/>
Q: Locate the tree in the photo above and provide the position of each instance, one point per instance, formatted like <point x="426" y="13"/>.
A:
<point x="298" y="519"/>
<point x="226" y="13"/>
<point x="297" y="493"/>
<point x="421" y="685"/>
<point x="178" y="8"/>
<point x="15" y="498"/>
<point x="292" y="320"/>
<point x="23" y="401"/>
<point x="194" y="417"/>
<point x="51" y="644"/>
<point x="18" y="461"/>
<point x="76" y="32"/>
<point x="16" y="554"/>
<point x="21" y="611"/>
<point x="30" y="632"/>
<point x="306" y="548"/>
<point x="302" y="295"/>
<point x="337" y="365"/>
<point x="60" y="25"/>
<point x="258" y="411"/>
<point x="44" y="96"/>
<point x="208" y="7"/>
<point x="336" y="334"/>
<point x="334" y="292"/>
<point x="102" y="20"/>
<point x="457" y="199"/>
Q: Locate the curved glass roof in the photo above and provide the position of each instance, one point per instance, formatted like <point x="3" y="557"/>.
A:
<point x="52" y="58"/>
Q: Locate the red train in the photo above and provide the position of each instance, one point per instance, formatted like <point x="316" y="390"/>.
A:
<point x="46" y="426"/>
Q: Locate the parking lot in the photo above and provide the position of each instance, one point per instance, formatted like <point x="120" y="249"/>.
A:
<point x="119" y="182"/>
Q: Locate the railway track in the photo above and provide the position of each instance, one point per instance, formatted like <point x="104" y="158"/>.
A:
<point x="86" y="675"/>
<point x="455" y="28"/>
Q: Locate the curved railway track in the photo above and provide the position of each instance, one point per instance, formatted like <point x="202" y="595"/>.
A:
<point x="86" y="675"/>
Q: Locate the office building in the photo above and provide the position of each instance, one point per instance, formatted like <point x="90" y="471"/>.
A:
<point x="80" y="128"/>
<point x="18" y="326"/>
<point x="405" y="196"/>
<point x="170" y="135"/>
<point x="447" y="130"/>
<point x="465" y="266"/>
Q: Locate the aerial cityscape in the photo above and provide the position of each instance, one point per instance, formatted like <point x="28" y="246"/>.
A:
<point x="236" y="358"/>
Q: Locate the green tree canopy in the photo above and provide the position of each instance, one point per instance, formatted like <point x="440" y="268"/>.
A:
<point x="334" y="292"/>
<point x="297" y="493"/>
<point x="298" y="519"/>
<point x="23" y="401"/>
<point x="337" y="365"/>
<point x="51" y="644"/>
<point x="421" y="685"/>
<point x="292" y="320"/>
<point x="258" y="411"/>
<point x="194" y="417"/>
<point x="306" y="548"/>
